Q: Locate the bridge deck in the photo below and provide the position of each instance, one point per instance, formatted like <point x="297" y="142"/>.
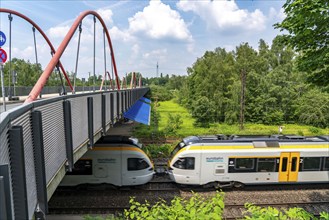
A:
<point x="40" y="141"/>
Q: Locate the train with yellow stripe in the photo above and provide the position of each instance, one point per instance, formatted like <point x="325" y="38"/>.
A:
<point x="116" y="160"/>
<point x="218" y="161"/>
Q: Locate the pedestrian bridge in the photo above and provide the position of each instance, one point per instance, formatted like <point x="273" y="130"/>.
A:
<point x="42" y="140"/>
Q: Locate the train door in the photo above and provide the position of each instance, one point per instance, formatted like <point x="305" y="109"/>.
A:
<point x="289" y="165"/>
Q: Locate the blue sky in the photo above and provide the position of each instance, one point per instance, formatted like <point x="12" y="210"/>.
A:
<point x="172" y="33"/>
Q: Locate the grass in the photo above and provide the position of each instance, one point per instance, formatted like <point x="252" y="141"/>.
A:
<point x="187" y="128"/>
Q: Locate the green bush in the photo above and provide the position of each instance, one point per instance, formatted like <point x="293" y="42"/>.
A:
<point x="158" y="151"/>
<point x="269" y="213"/>
<point x="314" y="130"/>
<point x="195" y="207"/>
<point x="173" y="124"/>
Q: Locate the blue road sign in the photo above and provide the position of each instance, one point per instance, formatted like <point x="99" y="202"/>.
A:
<point x="2" y="38"/>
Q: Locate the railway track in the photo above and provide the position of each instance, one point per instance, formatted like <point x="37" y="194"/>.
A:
<point x="231" y="211"/>
<point x="106" y="199"/>
<point x="238" y="211"/>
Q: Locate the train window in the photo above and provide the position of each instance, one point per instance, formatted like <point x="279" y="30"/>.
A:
<point x="284" y="164"/>
<point x="311" y="163"/>
<point x="266" y="165"/>
<point x="186" y="163"/>
<point x="137" y="164"/>
<point x="326" y="163"/>
<point x="294" y="164"/>
<point x="82" y="167"/>
<point x="244" y="163"/>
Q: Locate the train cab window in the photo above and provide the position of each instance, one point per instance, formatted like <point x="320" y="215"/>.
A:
<point x="186" y="163"/>
<point x="244" y="163"/>
<point x="176" y="149"/>
<point x="326" y="163"/>
<point x="137" y="164"/>
<point x="311" y="163"/>
<point x="266" y="165"/>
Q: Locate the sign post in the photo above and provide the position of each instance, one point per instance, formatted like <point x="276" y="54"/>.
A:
<point x="3" y="59"/>
<point x="3" y="87"/>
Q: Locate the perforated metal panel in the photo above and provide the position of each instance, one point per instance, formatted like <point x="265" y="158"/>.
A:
<point x="4" y="152"/>
<point x="79" y="120"/>
<point x="97" y="105"/>
<point x="31" y="188"/>
<point x="53" y="136"/>
<point x="4" y="156"/>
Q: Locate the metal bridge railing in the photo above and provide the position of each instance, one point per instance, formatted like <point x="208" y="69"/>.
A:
<point x="40" y="141"/>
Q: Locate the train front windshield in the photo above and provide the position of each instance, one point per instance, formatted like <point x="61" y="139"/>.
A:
<point x="176" y="149"/>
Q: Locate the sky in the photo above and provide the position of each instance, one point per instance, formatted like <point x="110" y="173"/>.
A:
<point x="144" y="34"/>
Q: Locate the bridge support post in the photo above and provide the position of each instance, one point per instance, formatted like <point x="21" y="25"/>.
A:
<point x="122" y="102"/>
<point x="104" y="114"/>
<point x="118" y="105"/>
<point x="5" y="196"/>
<point x="18" y="176"/>
<point x="90" y="121"/>
<point x="130" y="99"/>
<point x="68" y="134"/>
<point x="126" y="100"/>
<point x="40" y="170"/>
<point x="112" y="107"/>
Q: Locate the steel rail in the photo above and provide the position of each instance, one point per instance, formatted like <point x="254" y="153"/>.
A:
<point x="51" y="65"/>
<point x="4" y="10"/>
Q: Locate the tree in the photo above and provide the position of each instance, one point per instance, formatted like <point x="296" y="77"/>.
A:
<point x="203" y="112"/>
<point x="307" y="26"/>
<point x="313" y="108"/>
<point x="27" y="73"/>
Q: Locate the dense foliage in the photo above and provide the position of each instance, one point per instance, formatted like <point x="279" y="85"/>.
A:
<point x="275" y="91"/>
<point x="196" y="207"/>
<point x="307" y="25"/>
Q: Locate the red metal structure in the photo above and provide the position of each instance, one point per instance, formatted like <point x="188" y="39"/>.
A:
<point x="4" y="10"/>
<point x="53" y="62"/>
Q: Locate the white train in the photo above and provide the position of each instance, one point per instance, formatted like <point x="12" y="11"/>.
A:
<point x="115" y="160"/>
<point x="247" y="160"/>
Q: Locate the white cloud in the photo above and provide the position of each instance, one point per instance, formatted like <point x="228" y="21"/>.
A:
<point x="277" y="15"/>
<point x="156" y="54"/>
<point x="59" y="31"/>
<point x="225" y="15"/>
<point x="117" y="34"/>
<point x="106" y="15"/>
<point x="158" y="21"/>
<point x="135" y="49"/>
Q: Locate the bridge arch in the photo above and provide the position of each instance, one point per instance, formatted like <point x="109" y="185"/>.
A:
<point x="55" y="59"/>
<point x="9" y="11"/>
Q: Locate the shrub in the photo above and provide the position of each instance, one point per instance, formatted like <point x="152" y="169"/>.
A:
<point x="270" y="213"/>
<point x="195" y="207"/>
<point x="156" y="151"/>
<point x="173" y="124"/>
<point x="314" y="130"/>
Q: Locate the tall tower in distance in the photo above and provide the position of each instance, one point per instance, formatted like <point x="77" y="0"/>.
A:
<point x="157" y="69"/>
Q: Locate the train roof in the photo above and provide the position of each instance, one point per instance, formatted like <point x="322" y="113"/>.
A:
<point x="220" y="138"/>
<point x="118" y="139"/>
